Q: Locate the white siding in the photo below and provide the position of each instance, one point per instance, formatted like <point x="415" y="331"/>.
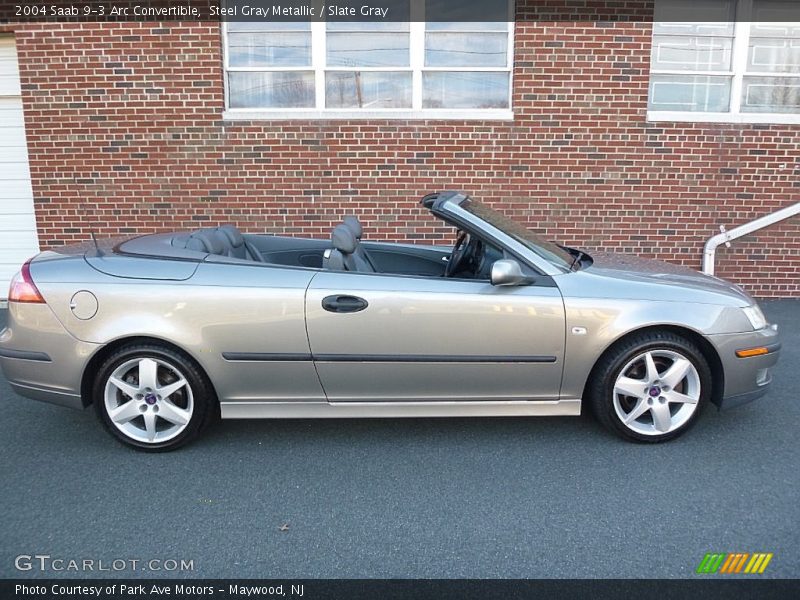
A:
<point x="18" y="237"/>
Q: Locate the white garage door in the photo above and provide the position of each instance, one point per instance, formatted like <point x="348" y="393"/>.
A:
<point x="18" y="239"/>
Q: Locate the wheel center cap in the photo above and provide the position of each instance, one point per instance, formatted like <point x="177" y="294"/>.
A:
<point x="150" y="399"/>
<point x="654" y="391"/>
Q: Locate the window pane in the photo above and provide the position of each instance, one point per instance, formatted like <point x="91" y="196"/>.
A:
<point x="466" y="26"/>
<point x="463" y="89"/>
<point x="367" y="26"/>
<point x="691" y="53"/>
<point x="775" y="30"/>
<point x="466" y="49"/>
<point x="774" y="55"/>
<point x="277" y="89"/>
<point x="269" y="50"/>
<point x="705" y="28"/>
<point x="694" y="17"/>
<point x="771" y="94"/>
<point x="268" y="26"/>
<point x="370" y="89"/>
<point x="367" y="49"/>
<point x="690" y="92"/>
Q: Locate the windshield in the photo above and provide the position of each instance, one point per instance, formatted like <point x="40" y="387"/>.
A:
<point x="547" y="250"/>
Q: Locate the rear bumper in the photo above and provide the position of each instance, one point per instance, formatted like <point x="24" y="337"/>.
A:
<point x="48" y="395"/>
<point x="40" y="359"/>
<point x="746" y="379"/>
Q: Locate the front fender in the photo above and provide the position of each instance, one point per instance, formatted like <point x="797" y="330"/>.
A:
<point x="606" y="320"/>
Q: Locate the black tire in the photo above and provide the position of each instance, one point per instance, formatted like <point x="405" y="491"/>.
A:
<point x="204" y="400"/>
<point x="604" y="376"/>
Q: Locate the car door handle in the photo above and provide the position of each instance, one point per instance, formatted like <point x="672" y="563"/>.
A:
<point x="344" y="304"/>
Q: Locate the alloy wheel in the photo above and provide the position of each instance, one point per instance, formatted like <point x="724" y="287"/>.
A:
<point x="657" y="392"/>
<point x="149" y="400"/>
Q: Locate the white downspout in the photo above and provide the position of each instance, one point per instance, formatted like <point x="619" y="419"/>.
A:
<point x="725" y="237"/>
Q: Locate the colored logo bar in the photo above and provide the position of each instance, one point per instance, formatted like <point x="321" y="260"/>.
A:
<point x="734" y="562"/>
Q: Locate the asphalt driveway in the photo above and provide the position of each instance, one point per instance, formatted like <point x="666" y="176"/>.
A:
<point x="448" y="498"/>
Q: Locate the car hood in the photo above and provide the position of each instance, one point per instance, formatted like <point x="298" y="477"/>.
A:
<point x="663" y="281"/>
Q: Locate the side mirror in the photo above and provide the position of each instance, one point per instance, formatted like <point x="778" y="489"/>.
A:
<point x="508" y="272"/>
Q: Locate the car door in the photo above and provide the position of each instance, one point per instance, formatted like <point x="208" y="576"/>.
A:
<point x="389" y="338"/>
<point x="247" y="322"/>
<point x="408" y="259"/>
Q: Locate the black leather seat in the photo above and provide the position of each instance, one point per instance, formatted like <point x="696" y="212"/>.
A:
<point x="343" y="256"/>
<point x="354" y="225"/>
<point x="233" y="240"/>
<point x="225" y="240"/>
<point x="205" y="240"/>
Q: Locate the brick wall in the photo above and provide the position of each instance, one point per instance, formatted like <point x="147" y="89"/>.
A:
<point x="125" y="133"/>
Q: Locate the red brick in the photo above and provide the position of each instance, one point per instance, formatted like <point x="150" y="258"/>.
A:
<point x="579" y="163"/>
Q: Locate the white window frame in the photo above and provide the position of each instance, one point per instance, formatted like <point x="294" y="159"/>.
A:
<point x="741" y="41"/>
<point x="416" y="66"/>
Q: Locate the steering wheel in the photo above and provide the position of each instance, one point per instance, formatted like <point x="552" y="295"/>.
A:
<point x="464" y="250"/>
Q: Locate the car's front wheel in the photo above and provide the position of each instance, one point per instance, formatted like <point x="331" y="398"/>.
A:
<point x="651" y="387"/>
<point x="152" y="398"/>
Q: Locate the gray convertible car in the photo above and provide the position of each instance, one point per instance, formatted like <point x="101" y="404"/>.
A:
<point x="163" y="333"/>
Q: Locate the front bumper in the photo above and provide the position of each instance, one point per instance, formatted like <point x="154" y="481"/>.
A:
<point x="40" y="359"/>
<point x="746" y="379"/>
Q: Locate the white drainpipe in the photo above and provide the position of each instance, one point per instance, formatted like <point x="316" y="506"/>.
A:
<point x="725" y="237"/>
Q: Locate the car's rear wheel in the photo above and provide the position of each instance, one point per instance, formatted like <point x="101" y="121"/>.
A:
<point x="651" y="387"/>
<point x="152" y="398"/>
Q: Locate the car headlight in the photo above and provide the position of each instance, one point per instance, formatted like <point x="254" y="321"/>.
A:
<point x="755" y="316"/>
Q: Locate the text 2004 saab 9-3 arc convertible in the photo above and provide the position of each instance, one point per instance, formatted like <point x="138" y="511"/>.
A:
<point x="163" y="332"/>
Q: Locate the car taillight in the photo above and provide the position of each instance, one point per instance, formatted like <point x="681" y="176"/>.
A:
<point x="22" y="287"/>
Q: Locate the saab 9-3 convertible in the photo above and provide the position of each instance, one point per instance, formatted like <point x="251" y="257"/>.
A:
<point x="162" y="333"/>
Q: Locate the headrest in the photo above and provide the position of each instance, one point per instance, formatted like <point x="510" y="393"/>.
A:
<point x="204" y="241"/>
<point x="344" y="240"/>
<point x="354" y="224"/>
<point x="232" y="234"/>
<point x="180" y="240"/>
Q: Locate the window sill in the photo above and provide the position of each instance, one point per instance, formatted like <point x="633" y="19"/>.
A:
<point x="250" y="114"/>
<point x="699" y="117"/>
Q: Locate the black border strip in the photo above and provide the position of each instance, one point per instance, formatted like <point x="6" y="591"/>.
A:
<point x="164" y="11"/>
<point x="431" y="358"/>
<point x="383" y="358"/>
<point x="25" y="355"/>
<point x="265" y="356"/>
<point x="420" y="589"/>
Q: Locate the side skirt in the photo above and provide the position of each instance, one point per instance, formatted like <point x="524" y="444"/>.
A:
<point x="333" y="410"/>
